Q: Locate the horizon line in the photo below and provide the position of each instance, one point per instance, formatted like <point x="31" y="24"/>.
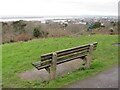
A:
<point x="42" y="16"/>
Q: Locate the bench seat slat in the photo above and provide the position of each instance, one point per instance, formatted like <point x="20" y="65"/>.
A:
<point x="39" y="64"/>
<point x="42" y="67"/>
<point x="46" y="61"/>
<point x="36" y="63"/>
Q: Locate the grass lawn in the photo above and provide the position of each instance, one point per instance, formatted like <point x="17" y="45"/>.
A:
<point x="17" y="57"/>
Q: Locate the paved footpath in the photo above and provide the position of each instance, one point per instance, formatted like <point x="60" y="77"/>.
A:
<point x="105" y="79"/>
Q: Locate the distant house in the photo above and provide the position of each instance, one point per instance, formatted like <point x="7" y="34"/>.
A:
<point x="43" y="21"/>
<point x="102" y="24"/>
<point x="63" y="22"/>
<point x="84" y="23"/>
<point x="49" y="21"/>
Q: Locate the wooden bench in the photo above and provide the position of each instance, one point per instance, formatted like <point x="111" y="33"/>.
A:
<point x="50" y="60"/>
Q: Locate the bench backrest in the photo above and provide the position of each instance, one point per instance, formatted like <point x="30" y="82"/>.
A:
<point x="64" y="55"/>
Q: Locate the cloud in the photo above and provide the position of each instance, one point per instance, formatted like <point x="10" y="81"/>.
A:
<point x="58" y="7"/>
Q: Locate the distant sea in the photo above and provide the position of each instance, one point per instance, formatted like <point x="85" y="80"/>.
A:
<point x="42" y="18"/>
<point x="34" y="18"/>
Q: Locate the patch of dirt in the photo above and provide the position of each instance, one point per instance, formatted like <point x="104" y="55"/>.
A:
<point x="42" y="74"/>
<point x="116" y="44"/>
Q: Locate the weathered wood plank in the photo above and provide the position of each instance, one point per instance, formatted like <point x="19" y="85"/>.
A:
<point x="64" y="54"/>
<point x="46" y="56"/>
<point x="70" y="59"/>
<point x="67" y="51"/>
<point x="36" y="63"/>
<point x="73" y="54"/>
<point x="95" y="44"/>
<point x="42" y="67"/>
<point x="72" y="51"/>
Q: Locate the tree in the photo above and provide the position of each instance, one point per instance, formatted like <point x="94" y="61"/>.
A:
<point x="96" y="25"/>
<point x="36" y="32"/>
<point x="19" y="26"/>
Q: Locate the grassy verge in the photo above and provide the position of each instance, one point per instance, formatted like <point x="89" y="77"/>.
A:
<point x="17" y="57"/>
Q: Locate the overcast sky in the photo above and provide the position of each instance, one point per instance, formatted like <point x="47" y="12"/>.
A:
<point x="58" y="7"/>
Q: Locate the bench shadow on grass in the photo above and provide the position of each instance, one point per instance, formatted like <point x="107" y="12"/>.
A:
<point x="116" y="44"/>
<point x="62" y="69"/>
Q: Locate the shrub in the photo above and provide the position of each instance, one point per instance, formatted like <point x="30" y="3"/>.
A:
<point x="19" y="26"/>
<point x="11" y="40"/>
<point x="96" y="25"/>
<point x="39" y="33"/>
<point x="36" y="32"/>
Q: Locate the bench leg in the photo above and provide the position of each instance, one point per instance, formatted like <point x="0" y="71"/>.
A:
<point x="48" y="69"/>
<point x="84" y="61"/>
<point x="89" y="56"/>
<point x="88" y="60"/>
<point x="52" y="72"/>
<point x="52" y="69"/>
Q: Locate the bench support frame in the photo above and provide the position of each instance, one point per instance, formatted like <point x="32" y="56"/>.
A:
<point x="87" y="59"/>
<point x="52" y="69"/>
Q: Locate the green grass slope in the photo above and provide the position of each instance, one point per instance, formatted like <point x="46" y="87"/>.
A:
<point x="17" y="57"/>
